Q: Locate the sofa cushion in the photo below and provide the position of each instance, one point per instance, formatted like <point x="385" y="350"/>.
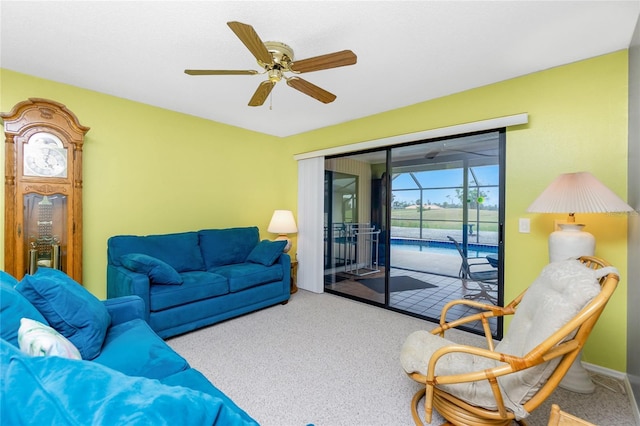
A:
<point x="196" y="285"/>
<point x="70" y="392"/>
<point x="13" y="307"/>
<point x="7" y="278"/>
<point x="193" y="379"/>
<point x="69" y="308"/>
<point x="246" y="275"/>
<point x="134" y="349"/>
<point x="227" y="246"/>
<point x="37" y="339"/>
<point x="159" y="272"/>
<point x="179" y="250"/>
<point x="266" y="252"/>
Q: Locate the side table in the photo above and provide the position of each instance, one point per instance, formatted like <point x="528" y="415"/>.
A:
<point x="294" y="276"/>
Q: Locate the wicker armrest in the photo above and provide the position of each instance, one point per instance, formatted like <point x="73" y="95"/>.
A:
<point x="487" y="311"/>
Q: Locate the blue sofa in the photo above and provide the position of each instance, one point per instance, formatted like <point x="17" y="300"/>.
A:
<point x="193" y="279"/>
<point x="119" y="370"/>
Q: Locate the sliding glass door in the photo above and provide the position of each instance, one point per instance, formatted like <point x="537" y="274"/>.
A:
<point x="402" y="223"/>
<point x="353" y="227"/>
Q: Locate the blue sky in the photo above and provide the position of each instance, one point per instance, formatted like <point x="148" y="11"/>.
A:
<point x="439" y="179"/>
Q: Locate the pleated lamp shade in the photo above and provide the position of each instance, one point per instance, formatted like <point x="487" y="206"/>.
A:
<point x="578" y="193"/>
<point x="575" y="193"/>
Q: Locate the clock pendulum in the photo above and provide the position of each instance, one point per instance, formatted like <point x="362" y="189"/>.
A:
<point x="45" y="228"/>
<point x="44" y="247"/>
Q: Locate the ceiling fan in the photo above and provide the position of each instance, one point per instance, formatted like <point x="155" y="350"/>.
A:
<point x="276" y="59"/>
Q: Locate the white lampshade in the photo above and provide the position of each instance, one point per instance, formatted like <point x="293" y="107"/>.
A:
<point x="578" y="193"/>
<point x="283" y="223"/>
<point x="575" y="193"/>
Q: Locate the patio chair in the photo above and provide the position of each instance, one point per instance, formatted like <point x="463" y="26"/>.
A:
<point x="479" y="270"/>
<point x="551" y="322"/>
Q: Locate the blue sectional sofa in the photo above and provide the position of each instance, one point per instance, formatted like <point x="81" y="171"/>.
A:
<point x="193" y="279"/>
<point x="67" y="358"/>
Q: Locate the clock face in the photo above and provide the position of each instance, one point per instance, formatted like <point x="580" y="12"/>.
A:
<point x="45" y="156"/>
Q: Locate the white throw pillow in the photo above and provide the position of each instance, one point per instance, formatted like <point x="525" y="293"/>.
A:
<point x="37" y="339"/>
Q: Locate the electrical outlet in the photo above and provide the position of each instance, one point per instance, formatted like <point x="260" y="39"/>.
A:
<point x="524" y="225"/>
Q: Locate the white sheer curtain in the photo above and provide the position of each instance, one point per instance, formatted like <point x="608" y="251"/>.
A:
<point x="311" y="224"/>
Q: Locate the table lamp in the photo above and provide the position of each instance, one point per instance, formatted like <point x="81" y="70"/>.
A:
<point x="283" y="223"/>
<point x="576" y="193"/>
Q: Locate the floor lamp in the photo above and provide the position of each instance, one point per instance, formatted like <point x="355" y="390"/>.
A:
<point x="576" y="193"/>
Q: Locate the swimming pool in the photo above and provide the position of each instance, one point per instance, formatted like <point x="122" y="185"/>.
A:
<point x="442" y="247"/>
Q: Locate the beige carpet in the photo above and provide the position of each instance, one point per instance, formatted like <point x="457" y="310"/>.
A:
<point x="330" y="361"/>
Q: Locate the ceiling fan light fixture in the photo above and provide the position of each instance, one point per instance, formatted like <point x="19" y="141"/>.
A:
<point x="275" y="75"/>
<point x="281" y="53"/>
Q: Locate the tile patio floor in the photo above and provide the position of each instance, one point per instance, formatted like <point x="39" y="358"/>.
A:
<point x="427" y="302"/>
<point x="434" y="268"/>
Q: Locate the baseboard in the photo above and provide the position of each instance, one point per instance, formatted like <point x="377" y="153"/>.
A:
<point x="619" y="376"/>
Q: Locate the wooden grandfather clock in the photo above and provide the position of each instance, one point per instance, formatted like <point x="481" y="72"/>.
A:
<point x="43" y="188"/>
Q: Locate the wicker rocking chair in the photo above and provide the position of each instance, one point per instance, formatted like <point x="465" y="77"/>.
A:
<point x="498" y="385"/>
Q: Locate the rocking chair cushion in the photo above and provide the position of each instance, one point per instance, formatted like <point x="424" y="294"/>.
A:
<point x="555" y="297"/>
<point x="417" y="351"/>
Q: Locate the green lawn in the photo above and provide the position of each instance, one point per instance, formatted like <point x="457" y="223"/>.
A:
<point x="444" y="218"/>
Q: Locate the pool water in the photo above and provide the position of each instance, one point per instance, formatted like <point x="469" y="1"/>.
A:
<point x="441" y="247"/>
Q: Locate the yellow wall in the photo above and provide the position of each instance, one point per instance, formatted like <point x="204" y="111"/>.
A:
<point x="148" y="170"/>
<point x="577" y="122"/>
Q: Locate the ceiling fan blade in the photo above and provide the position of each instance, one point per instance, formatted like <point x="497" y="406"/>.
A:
<point x="220" y="72"/>
<point x="250" y="38"/>
<point x="261" y="93"/>
<point x="323" y="62"/>
<point x="311" y="89"/>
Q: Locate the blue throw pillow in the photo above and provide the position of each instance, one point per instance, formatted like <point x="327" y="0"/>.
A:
<point x="159" y="272"/>
<point x="266" y="252"/>
<point x="69" y="308"/>
<point x="13" y="307"/>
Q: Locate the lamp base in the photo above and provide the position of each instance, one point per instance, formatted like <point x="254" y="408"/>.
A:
<point x="577" y="378"/>
<point x="287" y="239"/>
<point x="570" y="242"/>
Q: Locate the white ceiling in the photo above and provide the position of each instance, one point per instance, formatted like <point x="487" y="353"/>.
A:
<point x="408" y="51"/>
